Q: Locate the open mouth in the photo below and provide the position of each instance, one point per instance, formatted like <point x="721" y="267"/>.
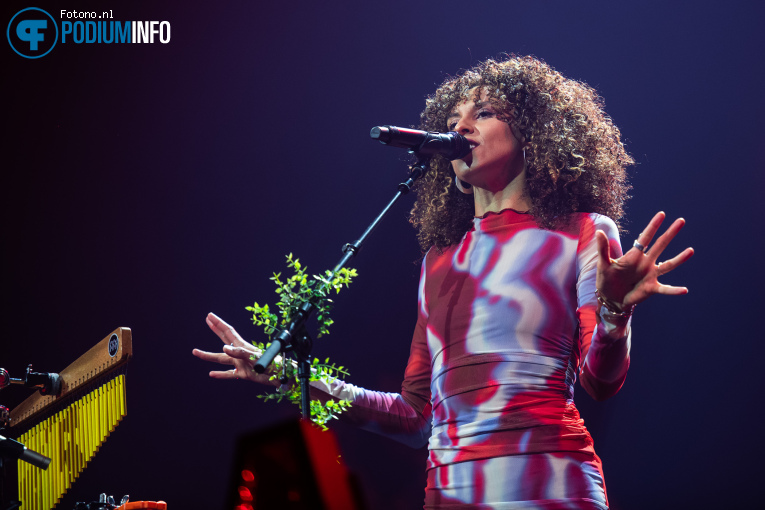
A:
<point x="469" y="156"/>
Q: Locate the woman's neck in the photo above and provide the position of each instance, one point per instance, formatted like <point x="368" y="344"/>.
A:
<point x="509" y="197"/>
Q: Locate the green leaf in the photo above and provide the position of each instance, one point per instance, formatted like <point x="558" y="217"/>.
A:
<point x="293" y="293"/>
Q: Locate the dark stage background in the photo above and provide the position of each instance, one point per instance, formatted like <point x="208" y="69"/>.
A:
<point x="146" y="185"/>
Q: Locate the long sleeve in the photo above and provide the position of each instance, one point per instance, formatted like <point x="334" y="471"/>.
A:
<point x="604" y="339"/>
<point x="405" y="416"/>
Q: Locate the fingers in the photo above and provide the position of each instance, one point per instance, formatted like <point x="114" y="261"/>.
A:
<point x="247" y="375"/>
<point x="228" y="355"/>
<point x="216" y="357"/>
<point x="663" y="240"/>
<point x="669" y="290"/>
<point x="235" y="348"/>
<point x="646" y="236"/>
<point x="226" y="333"/>
<point x="669" y="265"/>
<point x="236" y="356"/>
<point x="604" y="256"/>
<point x="665" y="267"/>
<point x="236" y="352"/>
<point x="240" y="352"/>
<point x="227" y="374"/>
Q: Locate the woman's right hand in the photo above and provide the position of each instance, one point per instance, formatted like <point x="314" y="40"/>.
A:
<point x="236" y="352"/>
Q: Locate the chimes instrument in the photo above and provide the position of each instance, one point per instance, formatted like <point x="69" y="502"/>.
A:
<point x="71" y="426"/>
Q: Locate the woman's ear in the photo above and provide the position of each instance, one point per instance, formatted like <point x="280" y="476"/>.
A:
<point x="518" y="134"/>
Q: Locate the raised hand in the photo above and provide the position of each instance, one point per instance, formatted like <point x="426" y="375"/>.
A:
<point x="236" y="351"/>
<point x="633" y="277"/>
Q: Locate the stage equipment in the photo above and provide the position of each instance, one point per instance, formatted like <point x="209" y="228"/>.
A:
<point x="11" y="449"/>
<point x="449" y="145"/>
<point x="71" y="426"/>
<point x="293" y="465"/>
<point x="107" y="503"/>
<point x="48" y="384"/>
<point x="294" y="340"/>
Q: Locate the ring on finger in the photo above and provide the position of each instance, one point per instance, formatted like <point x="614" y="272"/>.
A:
<point x="637" y="244"/>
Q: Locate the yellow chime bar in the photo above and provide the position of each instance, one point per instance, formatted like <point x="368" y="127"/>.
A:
<point x="70" y="427"/>
<point x="70" y="438"/>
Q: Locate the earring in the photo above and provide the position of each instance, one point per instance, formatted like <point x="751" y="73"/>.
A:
<point x="464" y="187"/>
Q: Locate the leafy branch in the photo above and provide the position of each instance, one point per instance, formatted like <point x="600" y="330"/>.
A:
<point x="293" y="292"/>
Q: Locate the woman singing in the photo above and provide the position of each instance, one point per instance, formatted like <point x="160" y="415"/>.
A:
<point x="524" y="289"/>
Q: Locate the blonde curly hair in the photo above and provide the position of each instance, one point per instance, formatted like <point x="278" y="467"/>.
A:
<point x="575" y="160"/>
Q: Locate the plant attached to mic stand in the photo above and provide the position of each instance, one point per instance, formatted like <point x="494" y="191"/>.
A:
<point x="313" y="296"/>
<point x="294" y="293"/>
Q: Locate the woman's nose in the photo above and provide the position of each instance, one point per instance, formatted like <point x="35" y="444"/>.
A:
<point x="463" y="127"/>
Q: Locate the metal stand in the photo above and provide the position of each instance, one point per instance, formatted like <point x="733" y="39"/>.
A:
<point x="295" y="338"/>
<point x="10" y="451"/>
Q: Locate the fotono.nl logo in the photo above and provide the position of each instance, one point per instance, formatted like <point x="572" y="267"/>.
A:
<point x="33" y="32"/>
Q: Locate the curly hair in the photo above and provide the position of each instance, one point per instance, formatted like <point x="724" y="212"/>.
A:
<point x="575" y="160"/>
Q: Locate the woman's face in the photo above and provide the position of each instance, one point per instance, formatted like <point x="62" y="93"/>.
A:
<point x="497" y="158"/>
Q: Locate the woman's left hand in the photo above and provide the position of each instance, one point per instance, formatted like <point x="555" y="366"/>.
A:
<point x="633" y="277"/>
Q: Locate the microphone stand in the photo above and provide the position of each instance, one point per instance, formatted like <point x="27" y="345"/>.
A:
<point x="295" y="338"/>
<point x="48" y="384"/>
<point x="10" y="450"/>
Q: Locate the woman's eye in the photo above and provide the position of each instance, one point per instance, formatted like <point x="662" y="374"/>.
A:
<point x="485" y="113"/>
<point x="451" y="125"/>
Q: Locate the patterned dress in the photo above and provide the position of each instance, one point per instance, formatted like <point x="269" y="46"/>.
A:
<point x="507" y="320"/>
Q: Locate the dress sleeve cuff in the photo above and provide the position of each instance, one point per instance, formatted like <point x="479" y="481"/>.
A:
<point x="614" y="326"/>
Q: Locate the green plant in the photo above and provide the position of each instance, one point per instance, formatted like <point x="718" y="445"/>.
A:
<point x="293" y="293"/>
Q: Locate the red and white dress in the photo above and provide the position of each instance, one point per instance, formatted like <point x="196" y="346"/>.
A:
<point x="507" y="320"/>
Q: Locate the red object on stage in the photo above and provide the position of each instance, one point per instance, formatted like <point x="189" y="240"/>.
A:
<point x="294" y="465"/>
<point x="135" y="505"/>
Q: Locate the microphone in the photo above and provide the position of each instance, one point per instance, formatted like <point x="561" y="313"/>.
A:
<point x="15" y="450"/>
<point x="47" y="383"/>
<point x="449" y="145"/>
